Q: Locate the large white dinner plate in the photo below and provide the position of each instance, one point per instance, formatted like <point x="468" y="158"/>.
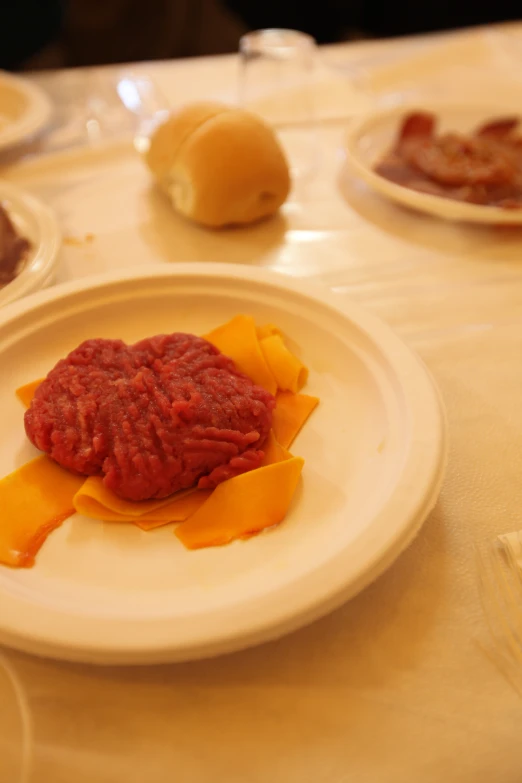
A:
<point x="34" y="220"/>
<point x="371" y="136"/>
<point x="24" y="109"/>
<point x="374" y="451"/>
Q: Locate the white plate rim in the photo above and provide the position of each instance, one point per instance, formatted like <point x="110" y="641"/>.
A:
<point x="423" y="474"/>
<point x="39" y="269"/>
<point x="438" y="206"/>
<point x="36" y="117"/>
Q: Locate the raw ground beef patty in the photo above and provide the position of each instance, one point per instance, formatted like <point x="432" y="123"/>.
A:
<point x="164" y="414"/>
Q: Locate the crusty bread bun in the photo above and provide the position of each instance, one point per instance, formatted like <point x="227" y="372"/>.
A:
<point x="219" y="165"/>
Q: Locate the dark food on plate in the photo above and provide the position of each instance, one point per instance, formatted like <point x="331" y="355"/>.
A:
<point x="484" y="167"/>
<point x="13" y="249"/>
<point x="152" y="418"/>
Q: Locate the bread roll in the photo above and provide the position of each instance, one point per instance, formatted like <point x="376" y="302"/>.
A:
<point x="219" y="165"/>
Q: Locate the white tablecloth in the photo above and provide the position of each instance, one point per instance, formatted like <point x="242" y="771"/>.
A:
<point x="403" y="683"/>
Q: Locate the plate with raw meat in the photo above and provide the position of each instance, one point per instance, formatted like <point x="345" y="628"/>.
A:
<point x="199" y="458"/>
<point x="456" y="162"/>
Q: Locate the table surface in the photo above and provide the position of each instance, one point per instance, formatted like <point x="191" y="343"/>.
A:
<point x="404" y="683"/>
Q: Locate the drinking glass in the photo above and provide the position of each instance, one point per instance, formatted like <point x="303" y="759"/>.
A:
<point x="276" y="81"/>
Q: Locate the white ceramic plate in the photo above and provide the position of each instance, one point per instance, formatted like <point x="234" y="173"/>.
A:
<point x="370" y="137"/>
<point x="374" y="451"/>
<point x="24" y="109"/>
<point x="35" y="221"/>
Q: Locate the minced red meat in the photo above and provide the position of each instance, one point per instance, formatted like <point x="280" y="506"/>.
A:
<point x="162" y="415"/>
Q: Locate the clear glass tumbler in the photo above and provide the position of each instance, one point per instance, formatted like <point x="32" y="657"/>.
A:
<point x="15" y="727"/>
<point x="276" y="81"/>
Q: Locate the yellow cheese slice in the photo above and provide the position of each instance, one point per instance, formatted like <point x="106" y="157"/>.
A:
<point x="94" y="500"/>
<point x="242" y="506"/>
<point x="238" y="340"/>
<point x="291" y="412"/>
<point x="95" y="490"/>
<point x="176" y="511"/>
<point x="289" y="372"/>
<point x="274" y="452"/>
<point x="35" y="500"/>
<point x="267" y="330"/>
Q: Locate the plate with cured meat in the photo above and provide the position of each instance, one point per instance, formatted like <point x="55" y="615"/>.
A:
<point x="201" y="457"/>
<point x="456" y="162"/>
